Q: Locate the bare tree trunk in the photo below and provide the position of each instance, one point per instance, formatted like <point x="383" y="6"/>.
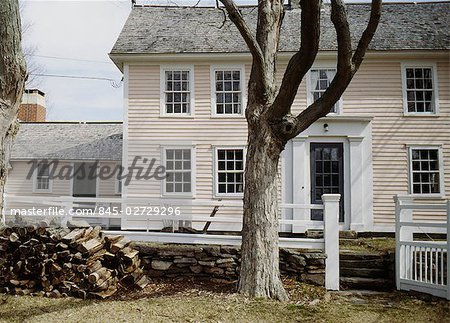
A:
<point x="260" y="274"/>
<point x="271" y="124"/>
<point x="12" y="80"/>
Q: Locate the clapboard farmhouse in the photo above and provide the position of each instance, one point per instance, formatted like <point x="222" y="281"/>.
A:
<point x="185" y="82"/>
<point x="185" y="96"/>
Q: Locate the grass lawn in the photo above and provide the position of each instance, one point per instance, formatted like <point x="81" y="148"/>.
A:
<point x="381" y="244"/>
<point x="201" y="301"/>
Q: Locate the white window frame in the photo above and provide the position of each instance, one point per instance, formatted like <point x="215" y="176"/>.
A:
<point x="404" y="66"/>
<point x="167" y="68"/>
<point x="243" y="86"/>
<point x="35" y="182"/>
<point x="216" y="171"/>
<point x="193" y="171"/>
<point x="441" y="170"/>
<point x="309" y="87"/>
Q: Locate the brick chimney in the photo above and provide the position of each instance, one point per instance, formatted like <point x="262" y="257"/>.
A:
<point x="32" y="108"/>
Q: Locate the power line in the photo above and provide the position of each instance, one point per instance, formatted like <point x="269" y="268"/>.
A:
<point x="114" y="83"/>
<point x="72" y="59"/>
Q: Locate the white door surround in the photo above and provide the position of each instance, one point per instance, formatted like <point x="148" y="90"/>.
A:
<point x="355" y="133"/>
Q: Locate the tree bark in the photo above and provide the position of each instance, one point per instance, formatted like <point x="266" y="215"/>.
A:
<point x="260" y="275"/>
<point x="12" y="80"/>
<point x="271" y="125"/>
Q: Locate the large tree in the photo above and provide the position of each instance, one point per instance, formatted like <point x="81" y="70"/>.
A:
<point x="12" y="79"/>
<point x="271" y="124"/>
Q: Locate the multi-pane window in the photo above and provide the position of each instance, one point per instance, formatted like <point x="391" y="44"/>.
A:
<point x="419" y="90"/>
<point x="320" y="80"/>
<point x="43" y="177"/>
<point x="228" y="92"/>
<point x="178" y="171"/>
<point x="425" y="173"/>
<point x="230" y="171"/>
<point x="177" y="92"/>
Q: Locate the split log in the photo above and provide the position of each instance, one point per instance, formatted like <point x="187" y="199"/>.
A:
<point x="55" y="262"/>
<point x="90" y="246"/>
<point x="119" y="245"/>
<point x="101" y="273"/>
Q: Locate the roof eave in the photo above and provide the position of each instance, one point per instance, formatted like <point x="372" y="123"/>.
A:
<point x="120" y="58"/>
<point x="116" y="59"/>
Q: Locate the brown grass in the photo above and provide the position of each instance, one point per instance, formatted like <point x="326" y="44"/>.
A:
<point x="369" y="244"/>
<point x="215" y="301"/>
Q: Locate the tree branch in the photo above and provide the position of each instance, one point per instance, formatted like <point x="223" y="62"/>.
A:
<point x="236" y="17"/>
<point x="347" y="66"/>
<point x="301" y="62"/>
<point x="369" y="32"/>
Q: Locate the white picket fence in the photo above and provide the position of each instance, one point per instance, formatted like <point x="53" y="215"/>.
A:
<point x="330" y="224"/>
<point x="422" y="266"/>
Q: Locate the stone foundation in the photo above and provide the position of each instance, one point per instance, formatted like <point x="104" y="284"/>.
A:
<point x="174" y="260"/>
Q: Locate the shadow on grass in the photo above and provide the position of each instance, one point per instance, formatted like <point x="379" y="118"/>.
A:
<point x="28" y="307"/>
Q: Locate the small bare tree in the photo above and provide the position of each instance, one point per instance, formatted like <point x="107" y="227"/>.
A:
<point x="12" y="80"/>
<point x="271" y="124"/>
<point x="34" y="81"/>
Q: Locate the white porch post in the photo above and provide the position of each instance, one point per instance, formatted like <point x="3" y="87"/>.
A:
<point x="68" y="206"/>
<point x="357" y="213"/>
<point x="402" y="233"/>
<point x="331" y="237"/>
<point x="448" y="250"/>
<point x="299" y="169"/>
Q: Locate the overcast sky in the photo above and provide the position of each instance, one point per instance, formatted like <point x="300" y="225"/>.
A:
<point x="73" y="38"/>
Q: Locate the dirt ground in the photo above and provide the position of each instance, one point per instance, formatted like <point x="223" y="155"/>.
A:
<point x="215" y="301"/>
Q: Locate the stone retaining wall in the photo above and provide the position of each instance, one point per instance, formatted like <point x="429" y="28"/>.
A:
<point x="173" y="260"/>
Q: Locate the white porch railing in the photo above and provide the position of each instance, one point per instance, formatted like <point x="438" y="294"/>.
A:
<point x="330" y="224"/>
<point x="422" y="266"/>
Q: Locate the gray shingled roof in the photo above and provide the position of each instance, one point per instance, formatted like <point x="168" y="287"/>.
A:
<point x="196" y="30"/>
<point x="68" y="141"/>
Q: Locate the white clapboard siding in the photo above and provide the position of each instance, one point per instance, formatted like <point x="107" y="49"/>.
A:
<point x="18" y="185"/>
<point x="376" y="91"/>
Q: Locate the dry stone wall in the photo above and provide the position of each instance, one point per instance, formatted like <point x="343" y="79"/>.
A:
<point x="174" y="260"/>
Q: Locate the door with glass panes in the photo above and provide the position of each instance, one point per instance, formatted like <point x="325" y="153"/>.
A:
<point x="327" y="175"/>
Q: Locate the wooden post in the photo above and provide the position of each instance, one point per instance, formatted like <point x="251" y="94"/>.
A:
<point x="402" y="233"/>
<point x="448" y="250"/>
<point x="397" y="242"/>
<point x="66" y="217"/>
<point x="331" y="237"/>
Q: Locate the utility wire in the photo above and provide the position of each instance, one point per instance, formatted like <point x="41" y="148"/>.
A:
<point x="72" y="59"/>
<point x="113" y="82"/>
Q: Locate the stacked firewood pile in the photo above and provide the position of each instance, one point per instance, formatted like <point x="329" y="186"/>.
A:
<point x="61" y="262"/>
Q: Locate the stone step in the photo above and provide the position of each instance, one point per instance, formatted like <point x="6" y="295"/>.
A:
<point x="363" y="272"/>
<point x="363" y="263"/>
<point x="354" y="255"/>
<point x="378" y="284"/>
